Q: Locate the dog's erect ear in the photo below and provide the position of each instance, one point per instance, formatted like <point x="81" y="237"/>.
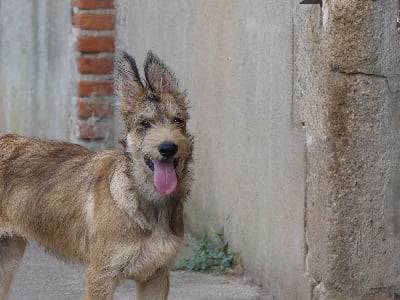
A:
<point x="127" y="84"/>
<point x="159" y="77"/>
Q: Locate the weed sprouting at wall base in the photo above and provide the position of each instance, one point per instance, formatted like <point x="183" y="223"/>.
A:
<point x="211" y="255"/>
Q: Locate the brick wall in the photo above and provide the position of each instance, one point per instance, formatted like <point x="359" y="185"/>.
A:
<point x="93" y="23"/>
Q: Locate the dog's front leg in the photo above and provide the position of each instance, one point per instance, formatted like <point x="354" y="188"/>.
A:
<point x="156" y="288"/>
<point x="100" y="284"/>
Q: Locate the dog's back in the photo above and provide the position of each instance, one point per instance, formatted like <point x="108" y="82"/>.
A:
<point x="41" y="186"/>
<point x="27" y="169"/>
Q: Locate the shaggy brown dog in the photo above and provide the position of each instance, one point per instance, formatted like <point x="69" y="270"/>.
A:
<point x="119" y="212"/>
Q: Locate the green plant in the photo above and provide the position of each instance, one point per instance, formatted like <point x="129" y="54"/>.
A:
<point x="209" y="255"/>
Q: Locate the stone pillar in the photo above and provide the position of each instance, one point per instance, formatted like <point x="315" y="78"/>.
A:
<point x="348" y="88"/>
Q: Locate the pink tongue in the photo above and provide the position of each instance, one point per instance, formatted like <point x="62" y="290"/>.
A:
<point x="164" y="176"/>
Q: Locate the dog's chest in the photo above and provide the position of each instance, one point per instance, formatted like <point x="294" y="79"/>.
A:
<point x="155" y="252"/>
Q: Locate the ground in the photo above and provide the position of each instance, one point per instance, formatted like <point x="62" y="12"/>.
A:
<point x="43" y="277"/>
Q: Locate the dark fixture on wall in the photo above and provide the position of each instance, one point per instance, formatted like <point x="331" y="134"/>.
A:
<point x="398" y="23"/>
<point x="311" y="2"/>
<point x="398" y="19"/>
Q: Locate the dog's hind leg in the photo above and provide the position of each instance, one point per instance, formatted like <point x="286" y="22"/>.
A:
<point x="156" y="288"/>
<point x="11" y="251"/>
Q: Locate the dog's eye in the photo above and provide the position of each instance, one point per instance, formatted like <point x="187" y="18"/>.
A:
<point x="178" y="121"/>
<point x="145" y="124"/>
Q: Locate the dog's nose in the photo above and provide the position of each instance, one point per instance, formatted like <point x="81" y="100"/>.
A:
<point x="168" y="149"/>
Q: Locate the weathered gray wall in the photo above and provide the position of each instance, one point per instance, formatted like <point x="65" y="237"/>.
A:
<point x="235" y="60"/>
<point x="348" y="89"/>
<point x="35" y="67"/>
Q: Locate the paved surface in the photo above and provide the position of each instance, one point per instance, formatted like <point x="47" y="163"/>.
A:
<point x="43" y="277"/>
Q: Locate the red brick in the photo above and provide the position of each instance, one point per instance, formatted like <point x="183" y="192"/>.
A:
<point x="96" y="131"/>
<point x="95" y="88"/>
<point x="96" y="109"/>
<point x="92" y="4"/>
<point x="93" y="44"/>
<point x="90" y="65"/>
<point x="94" y="21"/>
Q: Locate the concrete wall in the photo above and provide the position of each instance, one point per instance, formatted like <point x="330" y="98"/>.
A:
<point x="35" y="67"/>
<point x="348" y="91"/>
<point x="235" y="59"/>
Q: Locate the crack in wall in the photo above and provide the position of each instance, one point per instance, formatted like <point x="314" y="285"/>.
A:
<point x="355" y="73"/>
<point x="390" y="80"/>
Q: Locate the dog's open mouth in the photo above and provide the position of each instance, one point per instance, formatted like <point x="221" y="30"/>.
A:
<point x="150" y="163"/>
<point x="165" y="179"/>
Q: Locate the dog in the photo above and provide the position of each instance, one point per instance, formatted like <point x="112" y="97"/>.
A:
<point x="120" y="212"/>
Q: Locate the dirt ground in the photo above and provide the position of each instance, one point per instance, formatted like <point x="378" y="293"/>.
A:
<point x="43" y="277"/>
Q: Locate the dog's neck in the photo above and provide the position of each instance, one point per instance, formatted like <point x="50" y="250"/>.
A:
<point x="164" y="211"/>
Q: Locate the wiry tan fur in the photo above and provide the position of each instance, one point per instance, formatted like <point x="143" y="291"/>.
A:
<point x="102" y="209"/>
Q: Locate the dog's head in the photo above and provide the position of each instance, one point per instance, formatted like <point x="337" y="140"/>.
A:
<point x="155" y="116"/>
